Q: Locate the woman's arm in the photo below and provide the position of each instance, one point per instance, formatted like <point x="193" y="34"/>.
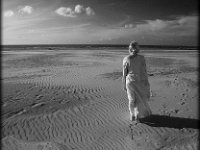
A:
<point x="125" y="72"/>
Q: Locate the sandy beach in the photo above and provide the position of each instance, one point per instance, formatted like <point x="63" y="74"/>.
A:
<point x="74" y="100"/>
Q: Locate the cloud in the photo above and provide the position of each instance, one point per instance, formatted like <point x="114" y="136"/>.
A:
<point x="26" y="10"/>
<point x="90" y="11"/>
<point x="156" y="25"/>
<point x="128" y="26"/>
<point x="179" y="30"/>
<point x="65" y="11"/>
<point x="185" y="25"/>
<point x="9" y="13"/>
<point x="79" y="9"/>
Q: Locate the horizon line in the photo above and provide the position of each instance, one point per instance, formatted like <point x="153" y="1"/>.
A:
<point x="101" y="45"/>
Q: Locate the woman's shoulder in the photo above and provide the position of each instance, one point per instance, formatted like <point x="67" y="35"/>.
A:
<point x="126" y="57"/>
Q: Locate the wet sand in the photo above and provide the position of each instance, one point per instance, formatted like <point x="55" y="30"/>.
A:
<point x="73" y="99"/>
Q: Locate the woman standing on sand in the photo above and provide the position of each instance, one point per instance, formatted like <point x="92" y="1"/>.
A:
<point x="135" y="83"/>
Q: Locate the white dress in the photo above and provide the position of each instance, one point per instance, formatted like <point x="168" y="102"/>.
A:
<point x="137" y="85"/>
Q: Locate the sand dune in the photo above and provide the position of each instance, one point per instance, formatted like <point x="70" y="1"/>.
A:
<point x="64" y="100"/>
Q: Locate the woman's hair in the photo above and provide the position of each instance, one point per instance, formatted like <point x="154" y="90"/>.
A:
<point x="134" y="47"/>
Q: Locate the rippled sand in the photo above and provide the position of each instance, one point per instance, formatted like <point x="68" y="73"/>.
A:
<point x="73" y="99"/>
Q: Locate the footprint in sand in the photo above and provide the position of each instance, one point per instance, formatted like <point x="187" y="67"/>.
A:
<point x="183" y="94"/>
<point x="187" y="90"/>
<point x="174" y="111"/>
<point x="132" y="126"/>
<point x="182" y="103"/>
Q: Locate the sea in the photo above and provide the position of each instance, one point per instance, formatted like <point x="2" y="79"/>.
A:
<point x="94" y="46"/>
<point x="6" y="49"/>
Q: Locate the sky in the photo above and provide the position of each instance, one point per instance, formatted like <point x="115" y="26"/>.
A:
<point x="149" y="22"/>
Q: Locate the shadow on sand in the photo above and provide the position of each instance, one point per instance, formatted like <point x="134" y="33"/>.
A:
<point x="170" y="122"/>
